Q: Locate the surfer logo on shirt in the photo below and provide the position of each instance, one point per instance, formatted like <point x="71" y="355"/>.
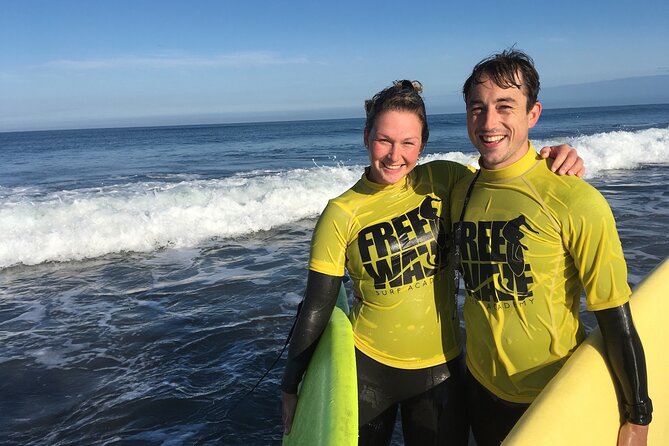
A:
<point x="493" y="260"/>
<point x="407" y="248"/>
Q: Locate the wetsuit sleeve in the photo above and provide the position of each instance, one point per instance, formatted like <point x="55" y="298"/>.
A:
<point x="627" y="360"/>
<point x="314" y="314"/>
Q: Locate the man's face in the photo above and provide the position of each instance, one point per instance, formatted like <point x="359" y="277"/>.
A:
<point x="498" y="123"/>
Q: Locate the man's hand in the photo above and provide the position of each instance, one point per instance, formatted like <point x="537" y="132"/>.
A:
<point x="632" y="435"/>
<point x="288" y="405"/>
<point x="565" y="160"/>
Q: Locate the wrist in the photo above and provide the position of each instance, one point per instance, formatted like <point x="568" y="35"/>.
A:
<point x="639" y="413"/>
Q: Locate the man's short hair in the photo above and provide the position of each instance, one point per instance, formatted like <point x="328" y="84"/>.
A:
<point x="510" y="68"/>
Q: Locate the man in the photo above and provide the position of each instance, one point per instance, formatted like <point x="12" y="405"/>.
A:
<point x="529" y="241"/>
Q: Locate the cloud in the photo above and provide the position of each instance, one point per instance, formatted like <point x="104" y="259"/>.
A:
<point x="232" y="60"/>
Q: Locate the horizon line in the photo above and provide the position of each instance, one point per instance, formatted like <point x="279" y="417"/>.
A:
<point x="272" y="121"/>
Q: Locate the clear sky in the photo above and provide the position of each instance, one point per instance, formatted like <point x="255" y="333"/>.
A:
<point x="83" y="63"/>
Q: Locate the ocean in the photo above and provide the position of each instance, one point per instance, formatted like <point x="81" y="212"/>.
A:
<point x="149" y="276"/>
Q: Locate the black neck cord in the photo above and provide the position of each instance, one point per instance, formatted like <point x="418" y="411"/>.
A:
<point x="457" y="232"/>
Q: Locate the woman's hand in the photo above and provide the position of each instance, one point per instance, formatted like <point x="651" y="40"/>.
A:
<point x="565" y="160"/>
<point x="288" y="405"/>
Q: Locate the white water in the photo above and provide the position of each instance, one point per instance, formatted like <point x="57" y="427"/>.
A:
<point x="141" y="217"/>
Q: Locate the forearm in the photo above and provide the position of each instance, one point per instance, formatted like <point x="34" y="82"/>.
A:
<point x="627" y="361"/>
<point x="319" y="301"/>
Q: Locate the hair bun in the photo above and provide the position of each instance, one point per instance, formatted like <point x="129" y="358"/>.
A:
<point x="406" y="84"/>
<point x="403" y="96"/>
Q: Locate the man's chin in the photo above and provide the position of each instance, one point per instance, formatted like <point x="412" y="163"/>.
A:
<point x="489" y="160"/>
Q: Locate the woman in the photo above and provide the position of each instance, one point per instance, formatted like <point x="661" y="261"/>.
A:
<point x="391" y="232"/>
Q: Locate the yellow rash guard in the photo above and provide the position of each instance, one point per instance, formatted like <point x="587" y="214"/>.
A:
<point x="394" y="242"/>
<point x="531" y="241"/>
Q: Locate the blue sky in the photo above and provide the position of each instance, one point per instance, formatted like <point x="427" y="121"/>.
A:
<point x="73" y="64"/>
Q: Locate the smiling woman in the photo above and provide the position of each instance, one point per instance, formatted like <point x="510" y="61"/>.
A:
<point x="390" y="232"/>
<point x="394" y="147"/>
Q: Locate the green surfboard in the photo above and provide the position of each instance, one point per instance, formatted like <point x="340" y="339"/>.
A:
<point x="327" y="407"/>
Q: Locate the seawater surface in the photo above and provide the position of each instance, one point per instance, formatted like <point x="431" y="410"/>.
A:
<point x="149" y="276"/>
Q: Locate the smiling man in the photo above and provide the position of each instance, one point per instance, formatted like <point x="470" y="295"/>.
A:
<point x="499" y="117"/>
<point x="529" y="242"/>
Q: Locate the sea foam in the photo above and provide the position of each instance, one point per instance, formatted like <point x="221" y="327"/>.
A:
<point x="142" y="217"/>
<point x="620" y="150"/>
<point x="79" y="224"/>
<point x="601" y="151"/>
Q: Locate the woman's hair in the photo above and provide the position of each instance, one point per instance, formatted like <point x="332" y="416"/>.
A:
<point x="402" y="96"/>
<point x="510" y="68"/>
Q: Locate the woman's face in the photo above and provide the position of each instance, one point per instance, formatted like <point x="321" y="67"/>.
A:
<point x="394" y="144"/>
